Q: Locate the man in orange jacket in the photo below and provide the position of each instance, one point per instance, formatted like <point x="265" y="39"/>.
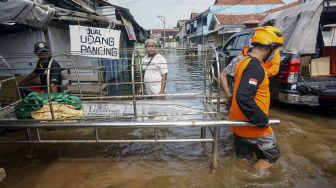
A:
<point x="251" y="100"/>
<point x="227" y="75"/>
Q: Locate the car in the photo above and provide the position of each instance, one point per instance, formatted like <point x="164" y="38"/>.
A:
<point x="290" y="85"/>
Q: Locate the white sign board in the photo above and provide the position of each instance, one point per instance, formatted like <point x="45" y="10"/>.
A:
<point x="94" y="42"/>
<point x="103" y="109"/>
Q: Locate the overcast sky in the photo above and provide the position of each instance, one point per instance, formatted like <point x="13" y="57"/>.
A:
<point x="145" y="12"/>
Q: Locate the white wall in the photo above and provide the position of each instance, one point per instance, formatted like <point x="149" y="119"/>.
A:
<point x="17" y="50"/>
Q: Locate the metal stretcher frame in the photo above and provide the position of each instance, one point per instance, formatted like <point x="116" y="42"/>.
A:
<point x="212" y="107"/>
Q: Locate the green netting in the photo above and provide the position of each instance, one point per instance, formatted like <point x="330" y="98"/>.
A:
<point x="34" y="101"/>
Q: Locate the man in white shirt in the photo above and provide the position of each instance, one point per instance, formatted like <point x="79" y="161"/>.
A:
<point x="155" y="69"/>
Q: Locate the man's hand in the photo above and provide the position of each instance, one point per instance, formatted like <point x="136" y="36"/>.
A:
<point x="228" y="97"/>
<point x="162" y="94"/>
<point x="263" y="124"/>
<point x="228" y="100"/>
<point x="26" y="81"/>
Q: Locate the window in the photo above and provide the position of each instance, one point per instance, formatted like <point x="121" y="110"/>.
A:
<point x="188" y="27"/>
<point x="195" y="26"/>
<point x="229" y="44"/>
<point x="249" y="38"/>
<point x="241" y="41"/>
<point x="204" y="20"/>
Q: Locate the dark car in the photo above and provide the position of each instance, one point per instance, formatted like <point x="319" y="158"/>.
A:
<point x="289" y="85"/>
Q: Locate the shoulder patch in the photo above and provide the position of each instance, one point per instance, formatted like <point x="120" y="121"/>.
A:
<point x="253" y="81"/>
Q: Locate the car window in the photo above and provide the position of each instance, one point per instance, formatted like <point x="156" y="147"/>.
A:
<point x="229" y="45"/>
<point x="249" y="38"/>
<point x="241" y="41"/>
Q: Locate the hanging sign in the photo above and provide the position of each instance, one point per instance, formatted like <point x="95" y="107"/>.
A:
<point x="129" y="29"/>
<point x="94" y="42"/>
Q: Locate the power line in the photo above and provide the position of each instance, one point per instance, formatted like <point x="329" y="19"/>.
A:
<point x="225" y="7"/>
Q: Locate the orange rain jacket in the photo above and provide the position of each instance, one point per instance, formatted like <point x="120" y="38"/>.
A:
<point x="251" y="98"/>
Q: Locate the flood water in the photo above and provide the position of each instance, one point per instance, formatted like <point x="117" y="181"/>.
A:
<point x="306" y="138"/>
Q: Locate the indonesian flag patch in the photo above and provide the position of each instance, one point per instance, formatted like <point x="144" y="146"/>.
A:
<point x="253" y="81"/>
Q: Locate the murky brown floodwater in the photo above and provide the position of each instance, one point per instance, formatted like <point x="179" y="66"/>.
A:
<point x="306" y="137"/>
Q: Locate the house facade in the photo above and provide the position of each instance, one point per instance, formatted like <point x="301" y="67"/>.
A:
<point x="199" y="26"/>
<point x="170" y="36"/>
<point x="222" y="26"/>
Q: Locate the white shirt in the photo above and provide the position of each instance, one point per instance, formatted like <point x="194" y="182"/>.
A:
<point x="153" y="73"/>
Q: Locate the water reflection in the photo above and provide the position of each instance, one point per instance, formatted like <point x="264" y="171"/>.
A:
<point x="186" y="74"/>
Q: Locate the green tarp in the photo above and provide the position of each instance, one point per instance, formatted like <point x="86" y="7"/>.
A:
<point x="34" y="101"/>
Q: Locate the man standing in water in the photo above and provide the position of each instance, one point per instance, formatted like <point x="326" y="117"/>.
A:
<point x="251" y="100"/>
<point x="155" y="69"/>
<point x="228" y="74"/>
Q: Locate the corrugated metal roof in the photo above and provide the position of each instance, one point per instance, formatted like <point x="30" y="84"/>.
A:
<point x="247" y="2"/>
<point x="68" y="11"/>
